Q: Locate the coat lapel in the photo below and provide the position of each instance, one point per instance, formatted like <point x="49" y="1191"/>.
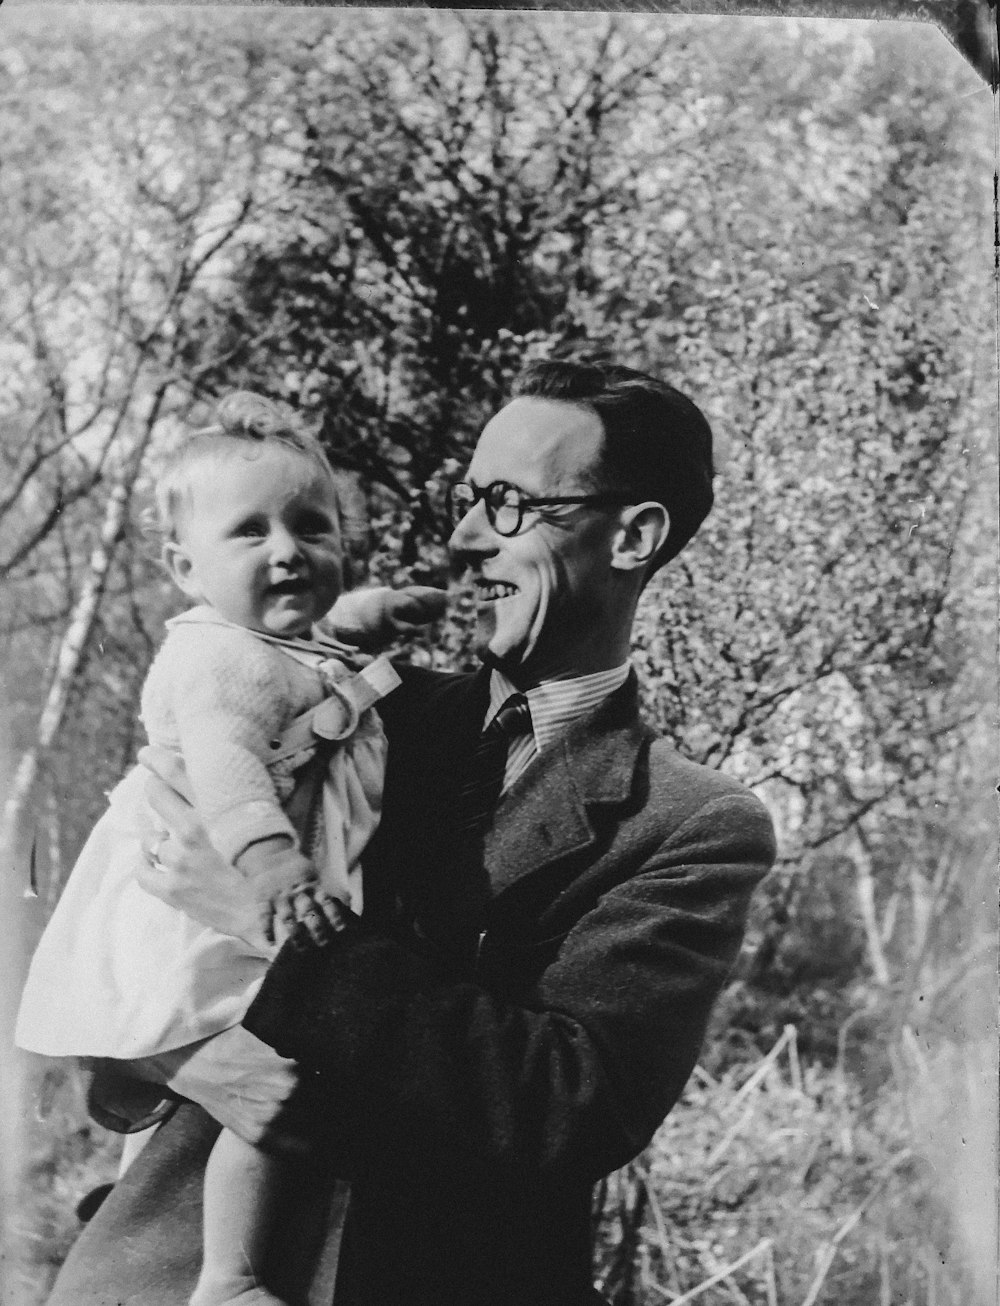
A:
<point x="546" y="815"/>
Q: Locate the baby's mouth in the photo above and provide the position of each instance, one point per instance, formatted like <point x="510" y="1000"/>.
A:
<point x="290" y="585"/>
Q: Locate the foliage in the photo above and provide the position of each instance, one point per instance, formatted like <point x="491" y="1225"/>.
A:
<point x="379" y="222"/>
<point x="785" y="244"/>
<point x="120" y="203"/>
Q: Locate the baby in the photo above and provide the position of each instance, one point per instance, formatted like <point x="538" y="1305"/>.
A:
<point x="285" y="758"/>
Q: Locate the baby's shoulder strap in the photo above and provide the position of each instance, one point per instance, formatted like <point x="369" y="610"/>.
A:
<point x="337" y="716"/>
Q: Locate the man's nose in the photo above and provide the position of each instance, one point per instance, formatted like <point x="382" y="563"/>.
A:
<point x="473" y="533"/>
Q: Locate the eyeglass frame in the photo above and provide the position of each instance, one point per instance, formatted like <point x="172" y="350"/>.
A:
<point x="480" y="494"/>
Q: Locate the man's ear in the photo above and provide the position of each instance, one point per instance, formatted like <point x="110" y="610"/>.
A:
<point x="642" y="530"/>
<point x="180" y="566"/>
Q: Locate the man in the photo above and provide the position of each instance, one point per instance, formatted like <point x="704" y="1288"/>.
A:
<point x="527" y="992"/>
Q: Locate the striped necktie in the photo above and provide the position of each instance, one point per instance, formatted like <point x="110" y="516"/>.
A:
<point x="481" y="791"/>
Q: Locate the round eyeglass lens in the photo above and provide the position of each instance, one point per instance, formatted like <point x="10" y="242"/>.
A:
<point x="460" y="500"/>
<point x="505" y="509"/>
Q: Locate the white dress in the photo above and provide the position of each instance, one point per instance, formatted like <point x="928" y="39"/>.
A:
<point x="117" y="972"/>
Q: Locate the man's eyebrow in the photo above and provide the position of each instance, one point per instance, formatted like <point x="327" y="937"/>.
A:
<point x="510" y="485"/>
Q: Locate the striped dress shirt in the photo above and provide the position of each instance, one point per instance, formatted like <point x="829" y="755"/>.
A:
<point x="555" y="705"/>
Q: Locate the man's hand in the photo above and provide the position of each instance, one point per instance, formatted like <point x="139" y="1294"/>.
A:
<point x="370" y="618"/>
<point x="185" y="871"/>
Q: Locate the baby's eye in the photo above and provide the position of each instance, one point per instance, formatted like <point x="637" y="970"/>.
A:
<point x="252" y="527"/>
<point x="313" y="524"/>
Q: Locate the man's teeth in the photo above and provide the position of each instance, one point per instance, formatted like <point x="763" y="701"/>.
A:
<point x="495" y="589"/>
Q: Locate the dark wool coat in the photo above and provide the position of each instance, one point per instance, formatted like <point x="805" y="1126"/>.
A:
<point x="496" y="1034"/>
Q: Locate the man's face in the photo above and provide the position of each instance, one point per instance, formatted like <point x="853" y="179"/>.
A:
<point x="546" y="595"/>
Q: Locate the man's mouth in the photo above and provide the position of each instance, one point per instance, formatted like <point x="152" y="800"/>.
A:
<point x="492" y="591"/>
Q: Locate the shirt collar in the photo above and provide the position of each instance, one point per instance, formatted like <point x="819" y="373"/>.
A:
<point x="557" y="704"/>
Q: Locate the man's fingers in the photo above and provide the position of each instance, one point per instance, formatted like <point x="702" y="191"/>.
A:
<point x="153" y="879"/>
<point x="175" y="812"/>
<point x="152" y="845"/>
<point x="168" y="766"/>
<point x="156" y="875"/>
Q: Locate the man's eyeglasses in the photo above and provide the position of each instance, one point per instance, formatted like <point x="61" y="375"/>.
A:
<point x="506" y="504"/>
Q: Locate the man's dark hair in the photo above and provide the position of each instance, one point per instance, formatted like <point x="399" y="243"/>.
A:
<point x="657" y="442"/>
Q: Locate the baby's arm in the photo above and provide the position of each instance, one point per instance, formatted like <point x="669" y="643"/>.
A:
<point x="370" y="618"/>
<point x="230" y="704"/>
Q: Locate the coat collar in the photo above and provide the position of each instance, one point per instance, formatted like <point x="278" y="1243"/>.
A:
<point x="545" y="814"/>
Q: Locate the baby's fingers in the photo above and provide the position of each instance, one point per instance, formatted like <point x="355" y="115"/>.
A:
<point x="310" y="916"/>
<point x="417" y="605"/>
<point x="334" y="911"/>
<point x="267" y="918"/>
<point x="322" y="916"/>
<point x="285" y="918"/>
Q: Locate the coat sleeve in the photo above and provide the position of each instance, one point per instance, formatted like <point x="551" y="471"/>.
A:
<point x="412" y="1067"/>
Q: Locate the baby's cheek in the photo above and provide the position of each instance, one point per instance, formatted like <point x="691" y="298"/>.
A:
<point x="330" y="579"/>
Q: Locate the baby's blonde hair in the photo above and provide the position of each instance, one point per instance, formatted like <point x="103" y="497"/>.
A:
<point x="242" y="418"/>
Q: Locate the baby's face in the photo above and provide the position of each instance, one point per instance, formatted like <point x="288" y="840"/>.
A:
<point x="260" y="541"/>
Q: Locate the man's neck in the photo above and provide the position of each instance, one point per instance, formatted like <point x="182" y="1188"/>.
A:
<point x="524" y="679"/>
<point x="581" y="662"/>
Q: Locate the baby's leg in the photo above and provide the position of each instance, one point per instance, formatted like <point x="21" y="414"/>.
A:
<point x="242" y="1186"/>
<point x="307" y="1217"/>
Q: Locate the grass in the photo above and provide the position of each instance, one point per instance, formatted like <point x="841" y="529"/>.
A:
<point x="771" y="1184"/>
<point x="62" y="1156"/>
<point x="782" y="1185"/>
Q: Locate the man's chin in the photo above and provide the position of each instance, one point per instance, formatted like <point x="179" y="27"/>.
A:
<point x="490" y="659"/>
<point x="494" y="653"/>
<point x="509" y="663"/>
<point x="487" y="652"/>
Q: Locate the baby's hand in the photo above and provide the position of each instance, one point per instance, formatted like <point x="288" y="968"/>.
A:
<point x="413" y="606"/>
<point x="311" y="906"/>
<point x="369" y="618"/>
<point x="286" y="892"/>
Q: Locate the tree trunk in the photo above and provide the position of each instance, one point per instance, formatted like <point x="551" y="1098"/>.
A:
<point x="54" y="861"/>
<point x="70" y="654"/>
<point x="869" y="916"/>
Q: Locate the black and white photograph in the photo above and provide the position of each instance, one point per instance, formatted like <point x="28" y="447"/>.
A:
<point x="498" y="655"/>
